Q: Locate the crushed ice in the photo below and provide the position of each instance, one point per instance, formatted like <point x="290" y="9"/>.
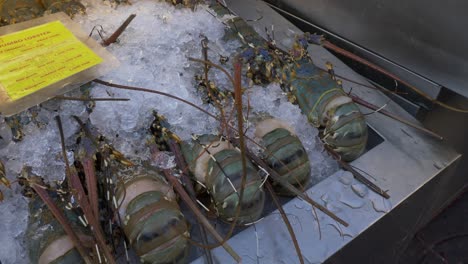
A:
<point x="153" y="53"/>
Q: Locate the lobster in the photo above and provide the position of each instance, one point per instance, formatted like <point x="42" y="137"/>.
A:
<point x="216" y="164"/>
<point x="317" y="93"/>
<point x="145" y="204"/>
<point x="218" y="167"/>
<point x="48" y="240"/>
<point x="152" y="220"/>
<point x="283" y="152"/>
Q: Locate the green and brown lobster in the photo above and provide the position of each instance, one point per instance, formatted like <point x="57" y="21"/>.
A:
<point x="216" y="164"/>
<point x="319" y="96"/>
<point x="143" y="203"/>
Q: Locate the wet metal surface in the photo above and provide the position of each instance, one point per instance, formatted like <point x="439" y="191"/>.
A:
<point x="402" y="164"/>
<point x="425" y="37"/>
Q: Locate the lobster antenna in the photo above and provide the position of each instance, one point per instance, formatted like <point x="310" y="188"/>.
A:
<point x="204" y="44"/>
<point x="70" y="98"/>
<point x="375" y="67"/>
<point x="113" y="38"/>
<point x="157" y="129"/>
<point x="286" y="221"/>
<point x="388" y="114"/>
<point x="84" y="203"/>
<point x="200" y="217"/>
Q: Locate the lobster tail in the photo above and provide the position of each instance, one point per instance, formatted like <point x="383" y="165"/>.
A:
<point x="218" y="165"/>
<point x="346" y="131"/>
<point x="152" y="220"/>
<point x="226" y="197"/>
<point x="327" y="106"/>
<point x="284" y="153"/>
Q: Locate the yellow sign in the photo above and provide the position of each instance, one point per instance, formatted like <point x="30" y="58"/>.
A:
<point x="34" y="58"/>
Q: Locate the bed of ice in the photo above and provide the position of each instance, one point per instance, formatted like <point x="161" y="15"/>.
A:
<point x="153" y="53"/>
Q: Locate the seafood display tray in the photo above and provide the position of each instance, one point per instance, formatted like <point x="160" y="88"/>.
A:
<point x="159" y="50"/>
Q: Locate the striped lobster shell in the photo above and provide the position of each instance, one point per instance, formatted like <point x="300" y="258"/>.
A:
<point x="327" y="105"/>
<point x="319" y="96"/>
<point x="47" y="241"/>
<point x="284" y="153"/>
<point x="218" y="165"/>
<point x="152" y="220"/>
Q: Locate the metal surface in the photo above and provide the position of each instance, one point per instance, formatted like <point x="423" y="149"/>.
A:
<point x="403" y="164"/>
<point x="386" y="240"/>
<point x="424" y="36"/>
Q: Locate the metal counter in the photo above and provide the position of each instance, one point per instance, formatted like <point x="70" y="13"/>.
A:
<point x="422" y="37"/>
<point x="413" y="168"/>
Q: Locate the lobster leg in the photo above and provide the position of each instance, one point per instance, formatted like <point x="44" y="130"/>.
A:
<point x="286" y="221"/>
